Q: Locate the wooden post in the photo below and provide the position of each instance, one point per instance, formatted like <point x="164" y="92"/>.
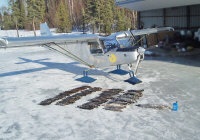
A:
<point x="33" y="23"/>
<point x="134" y="14"/>
<point x="16" y="26"/>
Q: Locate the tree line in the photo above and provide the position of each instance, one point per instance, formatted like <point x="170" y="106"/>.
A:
<point x="100" y="16"/>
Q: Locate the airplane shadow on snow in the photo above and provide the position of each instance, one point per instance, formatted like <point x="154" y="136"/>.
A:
<point x="68" y="67"/>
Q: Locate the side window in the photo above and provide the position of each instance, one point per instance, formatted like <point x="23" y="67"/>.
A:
<point x="94" y="48"/>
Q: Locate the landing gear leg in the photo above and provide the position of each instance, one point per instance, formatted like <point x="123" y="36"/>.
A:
<point x="119" y="71"/>
<point x="118" y="67"/>
<point x="140" y="58"/>
<point x="86" y="78"/>
<point x="133" y="80"/>
<point x="85" y="73"/>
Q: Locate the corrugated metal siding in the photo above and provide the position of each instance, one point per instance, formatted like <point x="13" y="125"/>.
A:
<point x="153" y="17"/>
<point x="177" y="22"/>
<point x="178" y="11"/>
<point x="149" y="22"/>
<point x="152" y="13"/>
<point x="195" y="16"/>
<point x="195" y="10"/>
<point x="195" y="21"/>
<point x="175" y="17"/>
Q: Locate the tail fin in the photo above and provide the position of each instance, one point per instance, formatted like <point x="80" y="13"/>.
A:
<point x="44" y="29"/>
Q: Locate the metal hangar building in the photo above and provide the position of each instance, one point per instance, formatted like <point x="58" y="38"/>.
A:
<point x="180" y="14"/>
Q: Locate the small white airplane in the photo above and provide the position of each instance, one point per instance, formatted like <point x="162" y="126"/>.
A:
<point x="92" y="50"/>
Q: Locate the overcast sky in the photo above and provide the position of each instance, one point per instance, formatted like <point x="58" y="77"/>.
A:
<point x="3" y="3"/>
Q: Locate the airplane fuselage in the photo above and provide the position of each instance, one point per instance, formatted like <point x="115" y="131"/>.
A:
<point x="98" y="57"/>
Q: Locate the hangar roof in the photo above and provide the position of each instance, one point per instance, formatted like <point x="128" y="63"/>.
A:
<point x="142" y="5"/>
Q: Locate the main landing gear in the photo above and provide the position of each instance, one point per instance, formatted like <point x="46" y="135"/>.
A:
<point x="133" y="80"/>
<point x="132" y="73"/>
<point x="86" y="78"/>
<point x="119" y="71"/>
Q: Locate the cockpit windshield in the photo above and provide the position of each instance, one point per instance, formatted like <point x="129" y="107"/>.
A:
<point x="125" y="42"/>
<point x="128" y="43"/>
<point x="109" y="44"/>
<point x="132" y="42"/>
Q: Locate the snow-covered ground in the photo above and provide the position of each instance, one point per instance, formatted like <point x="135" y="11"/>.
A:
<point x="26" y="33"/>
<point x="30" y="75"/>
<point x="13" y="33"/>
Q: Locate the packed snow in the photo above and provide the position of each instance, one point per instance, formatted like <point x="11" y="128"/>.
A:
<point x="32" y="74"/>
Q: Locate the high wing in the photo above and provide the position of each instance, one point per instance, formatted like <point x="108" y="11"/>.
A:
<point x="43" y="40"/>
<point x="58" y="43"/>
<point x="139" y="32"/>
<point x="58" y="39"/>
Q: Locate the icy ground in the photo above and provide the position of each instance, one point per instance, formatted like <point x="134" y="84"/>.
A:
<point x="30" y="75"/>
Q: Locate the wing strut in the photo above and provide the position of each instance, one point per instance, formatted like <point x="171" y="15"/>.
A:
<point x="68" y="54"/>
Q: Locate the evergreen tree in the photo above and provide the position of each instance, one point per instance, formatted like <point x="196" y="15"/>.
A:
<point x="50" y="12"/>
<point x="83" y="20"/>
<point x="18" y="13"/>
<point x="1" y="20"/>
<point x="108" y="16"/>
<point x="120" y="20"/>
<point x="41" y="9"/>
<point x="62" y="16"/>
<point x="7" y="21"/>
<point x="100" y="14"/>
<point x="91" y="13"/>
<point x="6" y="18"/>
<point x="36" y="12"/>
<point x="127" y="24"/>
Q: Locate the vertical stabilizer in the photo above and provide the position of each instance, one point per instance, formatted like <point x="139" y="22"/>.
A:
<point x="44" y="30"/>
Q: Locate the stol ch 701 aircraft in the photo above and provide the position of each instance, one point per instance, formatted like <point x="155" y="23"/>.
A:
<point x="92" y="50"/>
